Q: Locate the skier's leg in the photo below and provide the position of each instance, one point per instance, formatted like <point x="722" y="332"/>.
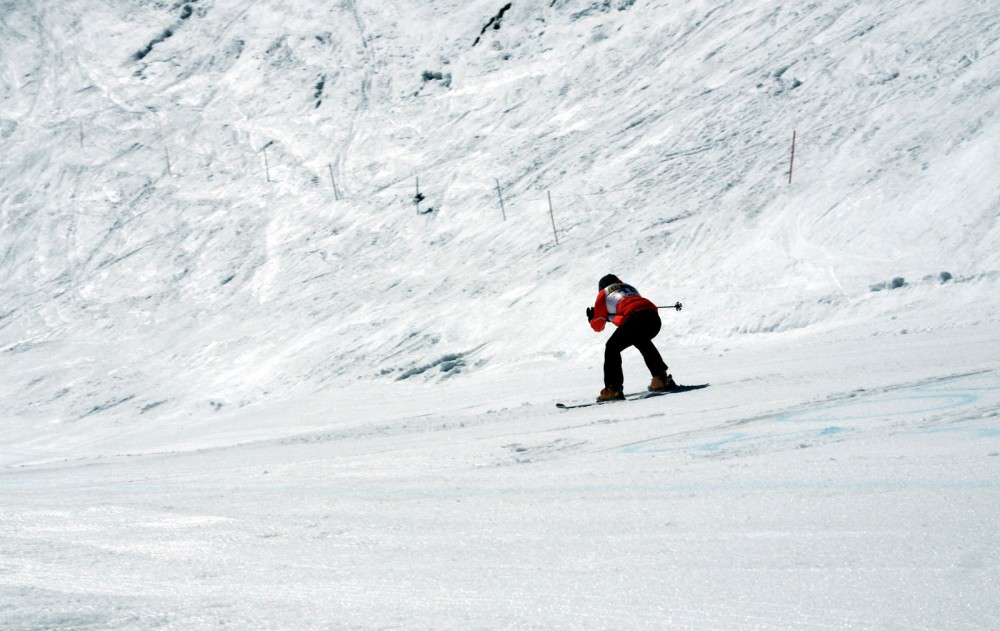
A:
<point x="652" y="357"/>
<point x="614" y="379"/>
<point x="646" y="329"/>
<point x="645" y="326"/>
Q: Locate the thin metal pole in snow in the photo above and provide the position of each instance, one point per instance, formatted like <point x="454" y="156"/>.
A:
<point x="552" y="214"/>
<point x="166" y="150"/>
<point x="791" y="163"/>
<point x="333" y="182"/>
<point x="417" y="197"/>
<point x="267" y="166"/>
<point x="500" y="195"/>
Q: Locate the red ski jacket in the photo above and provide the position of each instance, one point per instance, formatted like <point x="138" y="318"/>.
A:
<point x="615" y="303"/>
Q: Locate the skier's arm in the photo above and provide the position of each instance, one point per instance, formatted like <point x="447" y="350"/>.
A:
<point x="599" y="314"/>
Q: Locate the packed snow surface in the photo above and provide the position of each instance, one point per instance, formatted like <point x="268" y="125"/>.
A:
<point x="250" y="379"/>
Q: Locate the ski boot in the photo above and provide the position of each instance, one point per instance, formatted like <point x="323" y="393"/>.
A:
<point x="662" y="383"/>
<point x="611" y="394"/>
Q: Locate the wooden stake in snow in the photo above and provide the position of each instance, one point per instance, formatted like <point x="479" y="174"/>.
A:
<point x="417" y="197"/>
<point x="500" y="195"/>
<point x="552" y="215"/>
<point x="166" y="150"/>
<point x="333" y="182"/>
<point x="267" y="166"/>
<point x="791" y="163"/>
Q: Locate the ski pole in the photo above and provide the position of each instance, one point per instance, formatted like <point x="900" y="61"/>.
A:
<point x="676" y="306"/>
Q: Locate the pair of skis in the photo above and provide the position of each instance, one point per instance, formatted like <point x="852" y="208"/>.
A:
<point x="633" y="396"/>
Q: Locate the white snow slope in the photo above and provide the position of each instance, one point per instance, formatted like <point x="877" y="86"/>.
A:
<point x="246" y="383"/>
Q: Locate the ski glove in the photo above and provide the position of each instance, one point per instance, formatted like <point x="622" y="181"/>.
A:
<point x="590" y="314"/>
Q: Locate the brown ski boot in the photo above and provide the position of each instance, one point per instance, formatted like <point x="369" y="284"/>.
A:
<point x="662" y="383"/>
<point x="611" y="394"/>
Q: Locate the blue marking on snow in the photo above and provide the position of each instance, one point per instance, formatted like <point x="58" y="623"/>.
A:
<point x="838" y="418"/>
<point x="926" y="399"/>
<point x="980" y="432"/>
<point x="922" y="405"/>
<point x="714" y="446"/>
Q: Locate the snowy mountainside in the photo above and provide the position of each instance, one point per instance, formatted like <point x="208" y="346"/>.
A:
<point x="207" y="205"/>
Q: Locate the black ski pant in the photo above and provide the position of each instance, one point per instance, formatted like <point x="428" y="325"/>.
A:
<point x="637" y="330"/>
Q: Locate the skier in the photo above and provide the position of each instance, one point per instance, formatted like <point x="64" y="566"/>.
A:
<point x="638" y="322"/>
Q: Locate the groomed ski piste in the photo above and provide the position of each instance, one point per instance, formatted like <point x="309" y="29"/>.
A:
<point x="247" y="383"/>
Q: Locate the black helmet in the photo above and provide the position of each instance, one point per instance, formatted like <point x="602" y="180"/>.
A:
<point x="608" y="279"/>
